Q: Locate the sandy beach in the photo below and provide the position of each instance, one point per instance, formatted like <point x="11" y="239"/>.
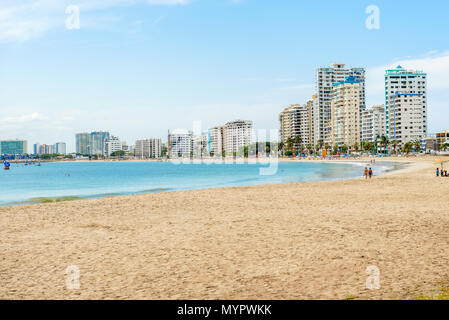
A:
<point x="294" y="241"/>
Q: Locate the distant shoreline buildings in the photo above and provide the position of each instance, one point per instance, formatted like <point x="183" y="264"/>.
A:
<point x="338" y="116"/>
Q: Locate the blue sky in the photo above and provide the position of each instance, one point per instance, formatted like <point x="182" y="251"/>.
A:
<point x="140" y="67"/>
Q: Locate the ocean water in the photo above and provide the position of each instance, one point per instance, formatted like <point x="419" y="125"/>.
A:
<point x="66" y="180"/>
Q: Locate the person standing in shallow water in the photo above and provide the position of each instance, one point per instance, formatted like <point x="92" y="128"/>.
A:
<point x="366" y="173"/>
<point x="370" y="172"/>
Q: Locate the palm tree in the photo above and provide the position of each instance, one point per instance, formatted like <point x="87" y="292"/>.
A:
<point x="394" y="143"/>
<point x="408" y="147"/>
<point x="298" y="141"/>
<point x="289" y="144"/>
<point x="444" y="146"/>
<point x="417" y="145"/>
<point x="384" y="142"/>
<point x="309" y="148"/>
<point x="356" y="146"/>
<point x="320" y="144"/>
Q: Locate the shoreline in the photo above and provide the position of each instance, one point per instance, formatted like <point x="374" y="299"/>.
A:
<point x="311" y="240"/>
<point x="71" y="197"/>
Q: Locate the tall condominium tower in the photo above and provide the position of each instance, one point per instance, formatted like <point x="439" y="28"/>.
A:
<point x="295" y="121"/>
<point x="373" y="123"/>
<point x="345" y="113"/>
<point x="97" y="141"/>
<point x="410" y="86"/>
<point x="83" y="143"/>
<point x="238" y="134"/>
<point x="148" y="148"/>
<point x="216" y="141"/>
<point x="13" y="147"/>
<point x="180" y="143"/>
<point x="325" y="79"/>
<point x="61" y="148"/>
<point x="406" y="117"/>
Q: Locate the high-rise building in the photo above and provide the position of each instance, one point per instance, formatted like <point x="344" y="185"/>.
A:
<point x="36" y="148"/>
<point x="238" y="134"/>
<point x="83" y="143"/>
<point x="406" y="118"/>
<point x="148" y="148"/>
<point x="201" y="145"/>
<point x="61" y="148"/>
<point x="295" y="121"/>
<point x="13" y="147"/>
<point x="111" y="145"/>
<point x="345" y="113"/>
<point x="180" y="144"/>
<point x="410" y="86"/>
<point x="216" y="141"/>
<point x="97" y="139"/>
<point x="373" y="123"/>
<point x="325" y="79"/>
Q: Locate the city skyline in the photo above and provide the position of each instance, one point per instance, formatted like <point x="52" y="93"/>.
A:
<point x="133" y="71"/>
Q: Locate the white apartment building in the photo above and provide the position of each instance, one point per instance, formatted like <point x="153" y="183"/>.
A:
<point x="345" y="113"/>
<point x="201" y="145"/>
<point x="325" y="79"/>
<point x="403" y="81"/>
<point x="406" y="118"/>
<point x="111" y="144"/>
<point x="61" y="148"/>
<point x="238" y="134"/>
<point x="373" y="123"/>
<point x="216" y="140"/>
<point x="180" y="143"/>
<point x="148" y="148"/>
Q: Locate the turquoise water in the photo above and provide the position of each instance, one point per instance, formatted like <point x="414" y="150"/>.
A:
<point x="23" y="184"/>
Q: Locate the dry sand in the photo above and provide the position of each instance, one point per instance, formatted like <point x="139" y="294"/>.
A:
<point x="296" y="241"/>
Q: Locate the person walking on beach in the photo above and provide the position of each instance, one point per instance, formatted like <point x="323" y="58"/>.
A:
<point x="370" y="173"/>
<point x="438" y="172"/>
<point x="366" y="173"/>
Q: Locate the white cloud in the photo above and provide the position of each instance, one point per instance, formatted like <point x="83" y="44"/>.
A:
<point x="27" y="19"/>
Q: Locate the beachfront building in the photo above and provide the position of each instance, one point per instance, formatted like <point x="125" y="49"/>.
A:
<point x="311" y="107"/>
<point x="201" y="145"/>
<point x="13" y="147"/>
<point x="325" y="78"/>
<point x="373" y="123"/>
<point x="36" y="148"/>
<point x="111" y="145"/>
<point x="406" y="118"/>
<point x="295" y="122"/>
<point x="216" y="141"/>
<point x="97" y="139"/>
<point x="345" y="113"/>
<point x="442" y="137"/>
<point x="148" y="148"/>
<point x="238" y="134"/>
<point x="83" y="143"/>
<point x="180" y="144"/>
<point x="61" y="148"/>
<point x="410" y="86"/>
